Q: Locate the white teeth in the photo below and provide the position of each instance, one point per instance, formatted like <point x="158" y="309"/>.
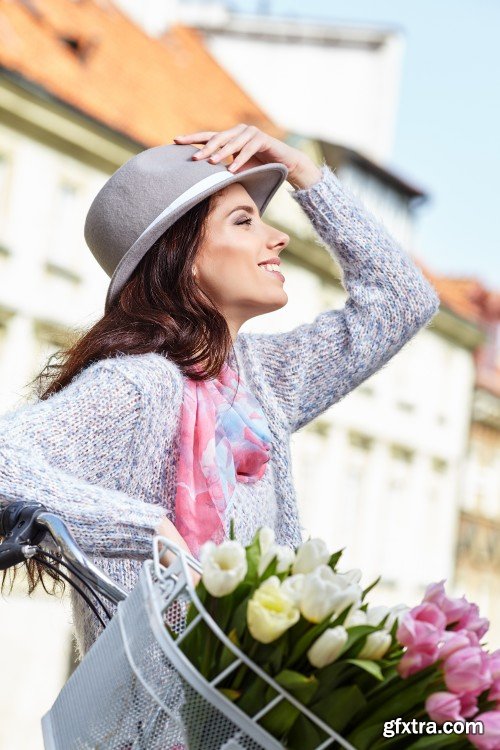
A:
<point x="270" y="266"/>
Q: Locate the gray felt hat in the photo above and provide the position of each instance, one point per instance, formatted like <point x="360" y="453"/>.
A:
<point x="149" y="193"/>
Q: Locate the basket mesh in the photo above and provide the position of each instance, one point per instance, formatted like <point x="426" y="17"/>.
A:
<point x="105" y="705"/>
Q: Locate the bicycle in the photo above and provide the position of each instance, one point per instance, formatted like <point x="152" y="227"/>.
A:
<point x="135" y="689"/>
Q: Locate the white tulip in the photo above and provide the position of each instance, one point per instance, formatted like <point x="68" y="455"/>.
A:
<point x="293" y="587"/>
<point x="266" y="539"/>
<point x="270" y="612"/>
<point x="375" y="615"/>
<point x="327" y="647"/>
<point x="355" y="617"/>
<point x="224" y="566"/>
<point x="396" y="613"/>
<point x="269" y="550"/>
<point x="352" y="576"/>
<point x="324" y="592"/>
<point x="376" y="645"/>
<point x="309" y="555"/>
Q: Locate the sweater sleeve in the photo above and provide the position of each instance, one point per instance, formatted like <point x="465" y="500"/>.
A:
<point x="389" y="300"/>
<point x="95" y="420"/>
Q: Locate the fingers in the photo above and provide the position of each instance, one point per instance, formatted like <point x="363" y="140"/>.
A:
<point x="228" y="141"/>
<point x="246" y="152"/>
<point x="218" y="140"/>
<point x="236" y="144"/>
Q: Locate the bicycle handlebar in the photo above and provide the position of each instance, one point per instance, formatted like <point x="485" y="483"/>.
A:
<point x="19" y="526"/>
<point x="25" y="524"/>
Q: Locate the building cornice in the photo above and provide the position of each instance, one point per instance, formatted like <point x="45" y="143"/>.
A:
<point x="29" y="108"/>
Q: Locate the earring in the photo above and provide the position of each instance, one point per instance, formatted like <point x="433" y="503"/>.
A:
<point x="194" y="271"/>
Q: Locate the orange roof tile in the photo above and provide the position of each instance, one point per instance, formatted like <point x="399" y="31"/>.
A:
<point x="111" y="70"/>
<point x="469" y="298"/>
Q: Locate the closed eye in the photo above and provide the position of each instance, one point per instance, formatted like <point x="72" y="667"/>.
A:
<point x="245" y="221"/>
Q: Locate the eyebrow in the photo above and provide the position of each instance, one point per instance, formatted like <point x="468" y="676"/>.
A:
<point x="250" y="209"/>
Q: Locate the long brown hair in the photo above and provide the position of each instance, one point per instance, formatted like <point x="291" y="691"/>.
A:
<point x="160" y="309"/>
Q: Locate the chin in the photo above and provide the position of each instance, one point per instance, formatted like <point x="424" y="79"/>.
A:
<point x="277" y="304"/>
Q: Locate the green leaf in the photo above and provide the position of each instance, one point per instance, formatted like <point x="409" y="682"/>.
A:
<point x="281" y="718"/>
<point x="437" y="741"/>
<point x="227" y="657"/>
<point x="332" y="562"/>
<point x="304" y="735"/>
<point x="253" y="557"/>
<point x="369" y="666"/>
<point x="370" y="587"/>
<point x="233" y="695"/>
<point x="253" y="698"/>
<point x="355" y="635"/>
<point x="271" y="569"/>
<point x="303" y="644"/>
<point x="232" y="535"/>
<point x="407" y="698"/>
<point x="333" y="676"/>
<point x="339" y="706"/>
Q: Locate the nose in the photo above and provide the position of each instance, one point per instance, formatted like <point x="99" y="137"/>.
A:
<point x="279" y="240"/>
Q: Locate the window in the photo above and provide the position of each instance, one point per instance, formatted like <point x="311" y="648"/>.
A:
<point x="358" y="440"/>
<point x="439" y="465"/>
<point x="65" y="224"/>
<point x="5" y="177"/>
<point x="401" y="453"/>
<point x="5" y="169"/>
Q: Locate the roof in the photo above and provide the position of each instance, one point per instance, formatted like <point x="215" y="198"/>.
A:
<point x="470" y="299"/>
<point x="337" y="153"/>
<point x="89" y="54"/>
<point x="291" y="29"/>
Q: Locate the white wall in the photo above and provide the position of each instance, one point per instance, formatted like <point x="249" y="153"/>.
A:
<point x="40" y="220"/>
<point x="379" y="472"/>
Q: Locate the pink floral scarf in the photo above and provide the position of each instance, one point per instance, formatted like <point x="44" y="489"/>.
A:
<point x="224" y="439"/>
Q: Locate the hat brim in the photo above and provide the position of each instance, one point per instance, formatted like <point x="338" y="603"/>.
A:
<point x="261" y="182"/>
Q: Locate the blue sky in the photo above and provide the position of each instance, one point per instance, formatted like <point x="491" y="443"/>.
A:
<point x="448" y="127"/>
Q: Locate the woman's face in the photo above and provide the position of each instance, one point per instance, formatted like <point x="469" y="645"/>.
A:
<point x="227" y="264"/>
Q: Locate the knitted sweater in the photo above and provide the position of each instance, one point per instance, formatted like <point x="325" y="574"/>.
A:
<point x="102" y="452"/>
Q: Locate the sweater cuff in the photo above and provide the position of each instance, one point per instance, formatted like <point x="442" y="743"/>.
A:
<point x="328" y="181"/>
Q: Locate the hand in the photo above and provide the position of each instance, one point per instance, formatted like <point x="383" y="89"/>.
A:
<point x="253" y="148"/>
<point x="166" y="528"/>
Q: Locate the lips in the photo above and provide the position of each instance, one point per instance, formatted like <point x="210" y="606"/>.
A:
<point x="272" y="272"/>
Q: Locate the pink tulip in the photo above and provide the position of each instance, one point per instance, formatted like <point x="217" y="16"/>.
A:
<point x="494" y="661"/>
<point x="467" y="671"/>
<point x="416" y="658"/>
<point x="468" y="705"/>
<point x="494" y="691"/>
<point x="443" y="706"/>
<point x="473" y="622"/>
<point x="451" y="641"/>
<point x="421" y="625"/>
<point x="453" y="609"/>
<point x="490" y="739"/>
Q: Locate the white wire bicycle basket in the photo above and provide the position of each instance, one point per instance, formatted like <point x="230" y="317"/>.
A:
<point x="136" y="690"/>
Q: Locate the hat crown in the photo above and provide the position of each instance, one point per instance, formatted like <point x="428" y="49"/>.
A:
<point x="136" y="194"/>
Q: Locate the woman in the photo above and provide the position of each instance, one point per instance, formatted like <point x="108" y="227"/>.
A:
<point x="163" y="418"/>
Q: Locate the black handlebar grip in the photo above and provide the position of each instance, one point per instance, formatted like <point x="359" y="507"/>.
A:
<point x="10" y="555"/>
<point x="19" y="527"/>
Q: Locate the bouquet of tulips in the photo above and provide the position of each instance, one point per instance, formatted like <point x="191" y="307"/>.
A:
<point x="368" y="672"/>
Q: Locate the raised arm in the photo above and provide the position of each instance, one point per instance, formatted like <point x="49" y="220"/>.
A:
<point x="96" y="421"/>
<point x="389" y="300"/>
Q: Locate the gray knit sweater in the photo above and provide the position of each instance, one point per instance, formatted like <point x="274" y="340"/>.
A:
<point x="102" y="452"/>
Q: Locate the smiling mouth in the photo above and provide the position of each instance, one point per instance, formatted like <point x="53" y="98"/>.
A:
<point x="272" y="269"/>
